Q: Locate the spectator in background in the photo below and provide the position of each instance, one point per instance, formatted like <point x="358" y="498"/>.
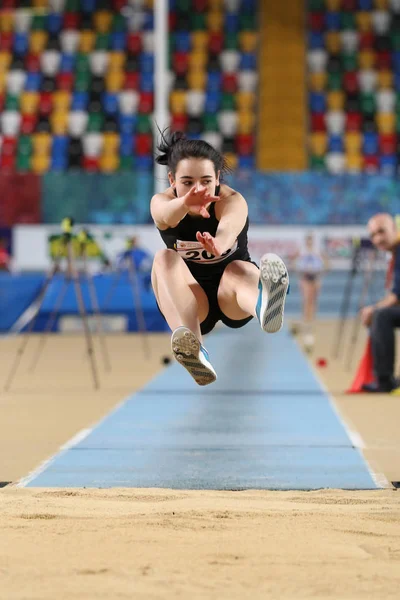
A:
<point x="384" y="317"/>
<point x="4" y="256"/>
<point x="309" y="264"/>
<point x="142" y="260"/>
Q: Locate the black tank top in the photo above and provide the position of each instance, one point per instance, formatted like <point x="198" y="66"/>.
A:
<point x="201" y="263"/>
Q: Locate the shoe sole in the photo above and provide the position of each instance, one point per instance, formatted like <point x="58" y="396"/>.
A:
<point x="186" y="350"/>
<point x="274" y="280"/>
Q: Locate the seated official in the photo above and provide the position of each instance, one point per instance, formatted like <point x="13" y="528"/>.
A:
<point x="384" y="317"/>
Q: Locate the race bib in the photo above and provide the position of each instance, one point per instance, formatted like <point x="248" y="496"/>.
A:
<point x="194" y="251"/>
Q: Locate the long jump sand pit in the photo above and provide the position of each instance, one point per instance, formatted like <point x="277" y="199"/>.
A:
<point x="89" y="544"/>
<point x="119" y="543"/>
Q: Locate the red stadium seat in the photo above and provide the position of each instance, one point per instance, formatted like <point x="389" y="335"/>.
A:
<point x="32" y="62"/>
<point x="7" y="162"/>
<point x="132" y="81"/>
<point x="71" y="20"/>
<point x="28" y="123"/>
<point x="179" y="122"/>
<point x="354" y="121"/>
<point x="144" y="144"/>
<point x="245" y="144"/>
<point x="387" y="143"/>
<point x="384" y="59"/>
<point x="367" y="40"/>
<point x="146" y="102"/>
<point x="65" y="81"/>
<point x="318" y="122"/>
<point x="90" y="163"/>
<point x="134" y="42"/>
<point x="350" y="82"/>
<point x="45" y="103"/>
<point x="371" y="164"/>
<point x="180" y="62"/>
<point x="230" y="83"/>
<point x="216" y="42"/>
<point x="316" y="21"/>
<point x="6" y="41"/>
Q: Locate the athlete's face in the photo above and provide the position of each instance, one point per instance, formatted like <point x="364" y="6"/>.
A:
<point x="199" y="172"/>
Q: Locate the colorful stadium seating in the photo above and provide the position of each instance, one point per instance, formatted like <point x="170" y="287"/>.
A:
<point x="354" y="85"/>
<point x="77" y="85"/>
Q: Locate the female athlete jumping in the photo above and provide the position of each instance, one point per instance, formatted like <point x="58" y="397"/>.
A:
<point x="205" y="273"/>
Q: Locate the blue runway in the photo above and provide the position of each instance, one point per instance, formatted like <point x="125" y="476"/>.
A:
<point x="265" y="424"/>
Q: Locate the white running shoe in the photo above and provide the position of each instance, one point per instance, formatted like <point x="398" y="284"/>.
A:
<point x="192" y="355"/>
<point x="273" y="286"/>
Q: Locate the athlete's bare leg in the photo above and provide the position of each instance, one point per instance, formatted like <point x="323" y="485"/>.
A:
<point x="245" y="290"/>
<point x="180" y="298"/>
<point x="238" y="290"/>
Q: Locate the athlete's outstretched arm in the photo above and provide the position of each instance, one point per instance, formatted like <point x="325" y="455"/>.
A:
<point x="168" y="212"/>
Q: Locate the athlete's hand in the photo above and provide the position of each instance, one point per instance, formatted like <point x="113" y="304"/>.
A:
<point x="209" y="243"/>
<point x="366" y="315"/>
<point x="197" y="198"/>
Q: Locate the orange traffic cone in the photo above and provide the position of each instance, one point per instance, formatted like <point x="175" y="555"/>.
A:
<point x="365" y="371"/>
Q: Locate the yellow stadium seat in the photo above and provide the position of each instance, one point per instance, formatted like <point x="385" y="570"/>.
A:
<point x="385" y="79"/>
<point x="110" y="142"/>
<point x="217" y="4"/>
<point x="366" y="59"/>
<point x="197" y="79"/>
<point x="41" y="142"/>
<point x="364" y="21"/>
<point x="199" y="40"/>
<point x="115" y="81"/>
<point x="318" y="143"/>
<point x="245" y="100"/>
<point x="246" y="121"/>
<point x="248" y="41"/>
<point x="178" y="102"/>
<point x="6" y="21"/>
<point x="354" y="161"/>
<point x="333" y="5"/>
<point x="381" y="4"/>
<point x="333" y="42"/>
<point x="116" y="60"/>
<point x="59" y="122"/>
<point x="29" y="102"/>
<point x="318" y="81"/>
<point x="102" y="20"/>
<point x="386" y="122"/>
<point x="335" y="100"/>
<point x="41" y="3"/>
<point x="232" y="160"/>
<point x="3" y="81"/>
<point x="198" y="60"/>
<point x="353" y="142"/>
<point x="37" y="41"/>
<point x="109" y="162"/>
<point x="86" y="41"/>
<point x="61" y="100"/>
<point x="40" y="163"/>
<point x="149" y="4"/>
<point x="215" y="20"/>
<point x="5" y="60"/>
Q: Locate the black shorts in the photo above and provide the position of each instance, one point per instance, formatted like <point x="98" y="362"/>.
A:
<point x="309" y="277"/>
<point x="210" y="286"/>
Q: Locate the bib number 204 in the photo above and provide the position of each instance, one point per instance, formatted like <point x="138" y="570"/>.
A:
<point x="203" y="255"/>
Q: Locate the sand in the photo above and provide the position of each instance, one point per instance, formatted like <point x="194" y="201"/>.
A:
<point x="145" y="544"/>
<point x="88" y="544"/>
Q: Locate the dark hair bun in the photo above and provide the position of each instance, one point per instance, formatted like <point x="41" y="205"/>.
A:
<point x="166" y="144"/>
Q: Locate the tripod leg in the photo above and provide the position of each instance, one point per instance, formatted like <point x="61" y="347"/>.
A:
<point x="96" y="310"/>
<point x="26" y="335"/>
<point x="344" y="309"/>
<point x="81" y="306"/>
<point x="361" y="303"/>
<point x="138" y="306"/>
<point x="49" y="326"/>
